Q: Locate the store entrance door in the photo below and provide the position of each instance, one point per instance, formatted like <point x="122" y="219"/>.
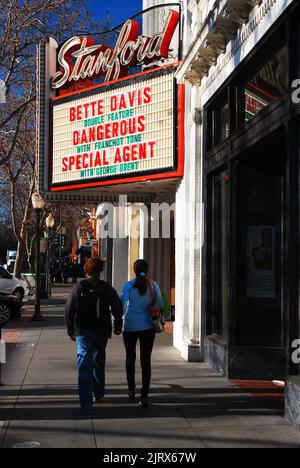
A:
<point x="260" y="234"/>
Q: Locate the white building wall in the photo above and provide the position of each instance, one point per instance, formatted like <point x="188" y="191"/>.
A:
<point x="187" y="327"/>
<point x="151" y="20"/>
<point x="154" y="21"/>
<point x="120" y="263"/>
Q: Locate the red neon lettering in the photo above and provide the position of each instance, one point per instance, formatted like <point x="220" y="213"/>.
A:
<point x="71" y="162"/>
<point x="72" y="114"/>
<point x="152" y="144"/>
<point x="147" y="95"/>
<point x="114" y="103"/>
<point x="141" y="123"/>
<point x="75" y="138"/>
<point x="65" y="164"/>
<point x="80" y="60"/>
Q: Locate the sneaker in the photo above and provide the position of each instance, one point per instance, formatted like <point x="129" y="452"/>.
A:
<point x="99" y="399"/>
<point x="144" y="403"/>
<point x="131" y="395"/>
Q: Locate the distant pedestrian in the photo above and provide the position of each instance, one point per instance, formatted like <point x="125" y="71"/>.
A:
<point x="52" y="272"/>
<point x="58" y="272"/>
<point x="66" y="272"/>
<point x="89" y="323"/>
<point x="138" y="296"/>
<point x="75" y="271"/>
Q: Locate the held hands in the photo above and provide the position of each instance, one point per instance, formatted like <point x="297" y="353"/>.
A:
<point x="72" y="338"/>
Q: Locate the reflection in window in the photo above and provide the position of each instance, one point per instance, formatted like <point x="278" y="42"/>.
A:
<point x="221" y="120"/>
<point x="224" y="122"/>
<point x="267" y="85"/>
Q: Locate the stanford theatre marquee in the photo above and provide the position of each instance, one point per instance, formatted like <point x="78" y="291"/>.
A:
<point x="102" y="130"/>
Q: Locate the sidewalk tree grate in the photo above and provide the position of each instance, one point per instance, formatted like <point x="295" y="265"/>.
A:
<point x="24" y="445"/>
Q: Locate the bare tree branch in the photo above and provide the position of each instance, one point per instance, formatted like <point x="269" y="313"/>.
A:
<point x="22" y="26"/>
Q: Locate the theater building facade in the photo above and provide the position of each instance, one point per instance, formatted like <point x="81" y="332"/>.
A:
<point x="211" y="130"/>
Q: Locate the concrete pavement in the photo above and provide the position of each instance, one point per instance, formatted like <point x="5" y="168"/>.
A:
<point x="192" y="406"/>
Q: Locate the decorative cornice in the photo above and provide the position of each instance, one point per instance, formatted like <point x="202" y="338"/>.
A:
<point x="232" y="28"/>
<point x="243" y="36"/>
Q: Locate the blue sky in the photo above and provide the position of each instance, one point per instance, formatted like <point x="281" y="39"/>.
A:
<point x="120" y="10"/>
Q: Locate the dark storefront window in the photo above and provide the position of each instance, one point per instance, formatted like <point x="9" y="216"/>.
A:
<point x="217" y="119"/>
<point x="224" y="121"/>
<point x="266" y="85"/>
<point x="251" y="92"/>
<point x="219" y="256"/>
<point x="258" y="248"/>
<point x="260" y="217"/>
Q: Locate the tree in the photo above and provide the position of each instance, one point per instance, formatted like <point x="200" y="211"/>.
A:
<point x="23" y="23"/>
<point x="20" y="171"/>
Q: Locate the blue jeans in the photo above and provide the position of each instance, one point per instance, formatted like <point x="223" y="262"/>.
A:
<point x="91" y="358"/>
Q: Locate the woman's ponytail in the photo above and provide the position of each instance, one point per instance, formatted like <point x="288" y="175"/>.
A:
<point x="141" y="271"/>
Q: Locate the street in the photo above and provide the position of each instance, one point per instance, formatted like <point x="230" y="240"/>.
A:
<point x="192" y="406"/>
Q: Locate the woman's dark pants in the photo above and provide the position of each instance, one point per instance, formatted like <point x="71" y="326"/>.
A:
<point x="146" y="339"/>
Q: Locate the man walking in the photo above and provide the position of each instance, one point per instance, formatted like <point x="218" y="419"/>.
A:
<point x="88" y="313"/>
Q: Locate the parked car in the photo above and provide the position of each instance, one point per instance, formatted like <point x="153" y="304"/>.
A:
<point x="11" y="285"/>
<point x="10" y="308"/>
<point x="11" y="259"/>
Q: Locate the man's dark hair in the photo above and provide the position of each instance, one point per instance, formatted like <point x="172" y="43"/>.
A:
<point x="94" y="266"/>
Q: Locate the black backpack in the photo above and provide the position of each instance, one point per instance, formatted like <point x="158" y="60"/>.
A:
<point x="93" y="306"/>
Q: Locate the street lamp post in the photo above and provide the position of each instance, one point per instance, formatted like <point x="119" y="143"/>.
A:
<point x="38" y="205"/>
<point x="50" y="221"/>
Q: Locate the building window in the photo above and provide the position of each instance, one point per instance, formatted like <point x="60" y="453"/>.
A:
<point x="220" y="120"/>
<point x="219" y="250"/>
<point x="266" y="85"/>
<point x="224" y="122"/>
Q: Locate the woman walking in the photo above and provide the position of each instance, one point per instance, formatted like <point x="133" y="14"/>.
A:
<point x="138" y="296"/>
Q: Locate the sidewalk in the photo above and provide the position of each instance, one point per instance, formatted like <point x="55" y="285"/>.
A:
<point x="192" y="406"/>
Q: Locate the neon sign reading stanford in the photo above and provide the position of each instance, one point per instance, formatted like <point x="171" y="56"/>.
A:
<point x="81" y="59"/>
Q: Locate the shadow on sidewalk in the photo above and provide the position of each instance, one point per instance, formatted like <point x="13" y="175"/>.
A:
<point x="41" y="404"/>
<point x="173" y="390"/>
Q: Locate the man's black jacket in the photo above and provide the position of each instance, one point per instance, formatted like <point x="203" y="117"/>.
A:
<point x="110" y="305"/>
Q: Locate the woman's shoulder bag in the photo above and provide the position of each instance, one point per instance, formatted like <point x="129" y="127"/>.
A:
<point x="156" y="313"/>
